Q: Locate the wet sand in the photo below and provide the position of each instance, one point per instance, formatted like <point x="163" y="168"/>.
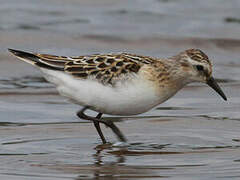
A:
<point x="194" y="135"/>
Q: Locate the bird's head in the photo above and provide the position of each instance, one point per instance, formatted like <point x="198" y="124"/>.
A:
<point x="198" y="68"/>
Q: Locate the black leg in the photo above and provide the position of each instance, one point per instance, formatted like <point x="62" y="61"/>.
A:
<point x="97" y="120"/>
<point x="81" y="114"/>
<point x="97" y="126"/>
<point x="117" y="131"/>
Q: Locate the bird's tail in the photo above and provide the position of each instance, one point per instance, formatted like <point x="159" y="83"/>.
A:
<point x="41" y="60"/>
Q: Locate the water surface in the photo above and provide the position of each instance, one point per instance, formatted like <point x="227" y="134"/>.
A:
<point x="194" y="135"/>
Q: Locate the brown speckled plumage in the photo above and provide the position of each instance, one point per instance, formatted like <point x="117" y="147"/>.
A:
<point x="112" y="68"/>
<point x="106" y="68"/>
<point x="197" y="55"/>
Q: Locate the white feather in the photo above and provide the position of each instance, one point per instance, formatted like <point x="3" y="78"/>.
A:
<point x="128" y="98"/>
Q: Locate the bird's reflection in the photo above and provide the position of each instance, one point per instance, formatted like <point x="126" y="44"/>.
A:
<point x="98" y="156"/>
<point x="109" y="170"/>
<point x="117" y="167"/>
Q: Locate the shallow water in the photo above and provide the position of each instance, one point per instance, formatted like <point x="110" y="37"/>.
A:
<point x="194" y="135"/>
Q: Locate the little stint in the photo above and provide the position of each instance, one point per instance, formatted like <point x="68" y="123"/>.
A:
<point x="121" y="83"/>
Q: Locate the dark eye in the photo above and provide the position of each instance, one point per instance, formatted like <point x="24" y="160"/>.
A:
<point x="199" y="67"/>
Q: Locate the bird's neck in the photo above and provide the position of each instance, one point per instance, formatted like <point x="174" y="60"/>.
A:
<point x="169" y="73"/>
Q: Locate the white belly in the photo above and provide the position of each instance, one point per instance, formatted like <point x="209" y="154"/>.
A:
<point x="129" y="98"/>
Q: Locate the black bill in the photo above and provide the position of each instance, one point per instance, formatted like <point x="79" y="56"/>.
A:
<point x="213" y="84"/>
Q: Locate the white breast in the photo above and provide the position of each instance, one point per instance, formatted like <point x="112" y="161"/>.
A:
<point x="132" y="97"/>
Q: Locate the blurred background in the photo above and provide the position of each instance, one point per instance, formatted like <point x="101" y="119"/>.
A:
<point x="193" y="134"/>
